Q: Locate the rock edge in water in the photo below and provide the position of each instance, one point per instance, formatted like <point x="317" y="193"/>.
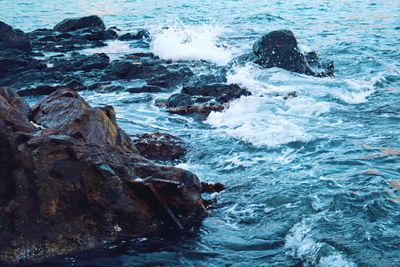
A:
<point x="71" y="180"/>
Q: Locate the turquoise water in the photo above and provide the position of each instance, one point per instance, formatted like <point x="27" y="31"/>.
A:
<point x="314" y="180"/>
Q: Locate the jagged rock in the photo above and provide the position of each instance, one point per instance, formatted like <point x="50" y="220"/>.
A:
<point x="160" y="146"/>
<point x="66" y="112"/>
<point x="13" y="38"/>
<point x="74" y="24"/>
<point x="73" y="185"/>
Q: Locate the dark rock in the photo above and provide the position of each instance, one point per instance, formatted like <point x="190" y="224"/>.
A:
<point x="69" y="25"/>
<point x="40" y="90"/>
<point x="223" y="92"/>
<point x="95" y="61"/>
<point x="179" y="100"/>
<point x="118" y="69"/>
<point x="160" y="146"/>
<point x="204" y="99"/>
<point x="145" y="89"/>
<point x="280" y="49"/>
<point x="170" y="78"/>
<point x="212" y="188"/>
<point x="76" y="185"/>
<point x="12" y="38"/>
<point x="142" y="34"/>
<point x="289" y="95"/>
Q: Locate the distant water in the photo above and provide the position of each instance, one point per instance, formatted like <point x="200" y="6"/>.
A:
<point x="312" y="181"/>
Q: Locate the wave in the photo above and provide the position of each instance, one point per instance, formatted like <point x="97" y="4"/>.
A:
<point x="190" y="42"/>
<point x="266" y="119"/>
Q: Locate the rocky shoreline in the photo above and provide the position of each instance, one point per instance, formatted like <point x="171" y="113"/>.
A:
<point x="71" y="179"/>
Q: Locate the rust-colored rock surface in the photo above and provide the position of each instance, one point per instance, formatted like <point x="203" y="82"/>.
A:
<point x="160" y="146"/>
<point x="74" y="181"/>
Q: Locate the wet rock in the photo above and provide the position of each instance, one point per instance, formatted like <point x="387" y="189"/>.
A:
<point x="66" y="112"/>
<point x="280" y="49"/>
<point x="290" y="95"/>
<point x="204" y="99"/>
<point x="142" y="34"/>
<point x="69" y="25"/>
<point x="212" y="188"/>
<point x="160" y="146"/>
<point x="179" y="100"/>
<point x="145" y="89"/>
<point x="223" y="92"/>
<point x="170" y="78"/>
<point x="74" y="186"/>
<point x="13" y="38"/>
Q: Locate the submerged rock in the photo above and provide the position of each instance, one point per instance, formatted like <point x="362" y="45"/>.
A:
<point x="73" y="181"/>
<point x="160" y="146"/>
<point x="13" y="38"/>
<point x="74" y="24"/>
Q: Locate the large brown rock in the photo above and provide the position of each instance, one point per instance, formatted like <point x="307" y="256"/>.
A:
<point x="67" y="112"/>
<point x="78" y="183"/>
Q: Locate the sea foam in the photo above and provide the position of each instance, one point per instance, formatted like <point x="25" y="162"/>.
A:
<point x="190" y="42"/>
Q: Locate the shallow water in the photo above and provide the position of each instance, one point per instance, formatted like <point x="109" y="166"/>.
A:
<point x="314" y="180"/>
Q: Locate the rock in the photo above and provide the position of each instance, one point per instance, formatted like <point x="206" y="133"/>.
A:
<point x="142" y="34"/>
<point x="74" y="186"/>
<point x="290" y="95"/>
<point x="204" y="99"/>
<point x="40" y="90"/>
<point x="145" y="89"/>
<point x="212" y="188"/>
<point x="223" y="92"/>
<point x="280" y="49"/>
<point x="160" y="146"/>
<point x="66" y="112"/>
<point x="179" y="100"/>
<point x="11" y="38"/>
<point x="69" y="25"/>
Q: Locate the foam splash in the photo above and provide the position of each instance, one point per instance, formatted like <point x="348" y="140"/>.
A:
<point x="115" y="49"/>
<point x="189" y="42"/>
<point x="300" y="244"/>
<point x="251" y="119"/>
<point x="265" y="119"/>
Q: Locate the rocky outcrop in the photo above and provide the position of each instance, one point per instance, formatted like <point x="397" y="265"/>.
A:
<point x="69" y="25"/>
<point x="160" y="146"/>
<point x="71" y="181"/>
<point x="204" y="99"/>
<point x="13" y="38"/>
<point x="280" y="49"/>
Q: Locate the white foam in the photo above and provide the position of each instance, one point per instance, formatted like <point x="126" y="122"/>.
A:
<point x="115" y="49"/>
<point x="253" y="119"/>
<point x="188" y="42"/>
<point x="301" y="244"/>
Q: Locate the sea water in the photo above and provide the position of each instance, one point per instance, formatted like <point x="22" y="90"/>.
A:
<point x="311" y="181"/>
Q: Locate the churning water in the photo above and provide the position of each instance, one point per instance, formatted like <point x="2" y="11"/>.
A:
<point x="311" y="181"/>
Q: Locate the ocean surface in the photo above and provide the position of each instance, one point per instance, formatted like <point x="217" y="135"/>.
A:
<point x="311" y="181"/>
